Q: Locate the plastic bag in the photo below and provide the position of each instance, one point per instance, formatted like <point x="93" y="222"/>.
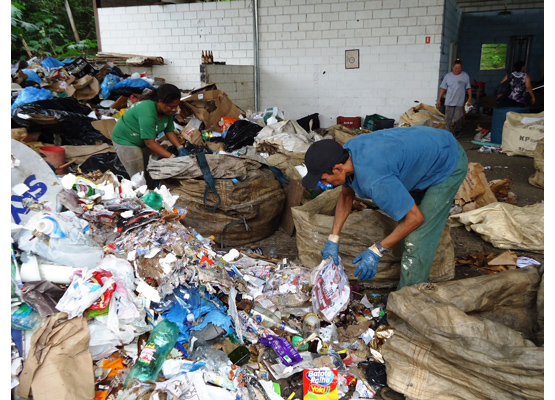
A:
<point x="30" y="95"/>
<point x="83" y="291"/>
<point x="76" y="250"/>
<point x="108" y="161"/>
<point x="109" y="83"/>
<point x="51" y="62"/>
<point x="240" y="134"/>
<point x="71" y="123"/>
<point x="330" y="291"/>
<point x="32" y="75"/>
<point x="136" y="83"/>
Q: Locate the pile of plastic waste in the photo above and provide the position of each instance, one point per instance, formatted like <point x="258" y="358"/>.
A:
<point x="118" y="288"/>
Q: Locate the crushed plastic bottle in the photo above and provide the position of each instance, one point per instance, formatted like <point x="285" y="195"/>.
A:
<point x="51" y="227"/>
<point x="268" y="319"/>
<point x="160" y="342"/>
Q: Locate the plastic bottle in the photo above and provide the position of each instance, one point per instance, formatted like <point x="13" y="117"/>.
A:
<point x="268" y="319"/>
<point x="84" y="190"/>
<point x="51" y="227"/>
<point x="160" y="342"/>
<point x="311" y="324"/>
<point x="189" y="300"/>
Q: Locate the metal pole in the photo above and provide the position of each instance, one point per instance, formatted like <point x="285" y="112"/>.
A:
<point x="256" y="60"/>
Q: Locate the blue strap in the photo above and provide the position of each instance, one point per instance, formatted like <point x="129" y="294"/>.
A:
<point x="210" y="185"/>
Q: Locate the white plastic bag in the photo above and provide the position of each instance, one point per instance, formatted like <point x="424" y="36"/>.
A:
<point x="330" y="291"/>
<point x="82" y="293"/>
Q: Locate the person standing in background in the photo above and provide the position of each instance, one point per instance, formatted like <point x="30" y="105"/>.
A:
<point x="520" y="85"/>
<point x="454" y="86"/>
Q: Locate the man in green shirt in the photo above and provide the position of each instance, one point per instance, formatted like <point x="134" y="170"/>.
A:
<point x="134" y="135"/>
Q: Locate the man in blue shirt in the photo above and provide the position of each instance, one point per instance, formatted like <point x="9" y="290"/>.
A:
<point x="454" y="86"/>
<point x="412" y="174"/>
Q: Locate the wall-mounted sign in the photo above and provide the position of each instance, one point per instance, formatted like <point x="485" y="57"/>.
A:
<point x="351" y="59"/>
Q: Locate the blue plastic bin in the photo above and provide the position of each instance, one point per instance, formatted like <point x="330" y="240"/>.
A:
<point x="499" y="116"/>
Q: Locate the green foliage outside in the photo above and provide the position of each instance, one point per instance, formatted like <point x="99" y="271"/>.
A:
<point x="45" y="27"/>
<point x="493" y="57"/>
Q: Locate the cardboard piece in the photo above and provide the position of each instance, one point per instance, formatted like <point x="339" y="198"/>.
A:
<point x="84" y="88"/>
<point x="105" y="126"/>
<point x="21" y="135"/>
<point x="120" y="103"/>
<point x="192" y="135"/>
<point x="59" y="363"/>
<point x="475" y="191"/>
<point x="507" y="258"/>
<point x="209" y="106"/>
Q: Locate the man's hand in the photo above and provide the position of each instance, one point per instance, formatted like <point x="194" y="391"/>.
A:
<point x="368" y="266"/>
<point x="331" y="249"/>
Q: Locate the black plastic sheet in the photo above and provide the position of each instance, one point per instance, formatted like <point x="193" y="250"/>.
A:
<point x="73" y="126"/>
<point x="104" y="162"/>
<point x="240" y="134"/>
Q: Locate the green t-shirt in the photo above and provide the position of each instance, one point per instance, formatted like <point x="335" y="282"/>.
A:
<point x="141" y="122"/>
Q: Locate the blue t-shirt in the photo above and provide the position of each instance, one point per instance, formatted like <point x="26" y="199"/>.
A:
<point x="390" y="163"/>
<point x="456" y="86"/>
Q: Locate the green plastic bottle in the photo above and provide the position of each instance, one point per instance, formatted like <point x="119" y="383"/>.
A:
<point x="161" y="341"/>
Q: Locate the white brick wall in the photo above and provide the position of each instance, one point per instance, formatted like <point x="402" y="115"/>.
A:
<point x="302" y="47"/>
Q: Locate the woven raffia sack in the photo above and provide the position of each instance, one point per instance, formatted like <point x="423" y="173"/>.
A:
<point x="467" y="339"/>
<point x="537" y="178"/>
<point x="249" y="211"/>
<point x="314" y="221"/>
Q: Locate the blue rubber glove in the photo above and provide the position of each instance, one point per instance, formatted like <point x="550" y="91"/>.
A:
<point x="182" y="152"/>
<point x="368" y="266"/>
<point x="331" y="249"/>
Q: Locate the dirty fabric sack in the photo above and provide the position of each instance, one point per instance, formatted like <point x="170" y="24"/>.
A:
<point x="537" y="178"/>
<point x="467" y="339"/>
<point x="314" y="221"/>
<point x="249" y="202"/>
<point x="506" y="226"/>
<point x="521" y="133"/>
<point x="283" y="136"/>
<point x="423" y="115"/>
<point x="59" y="363"/>
<point x="65" y="117"/>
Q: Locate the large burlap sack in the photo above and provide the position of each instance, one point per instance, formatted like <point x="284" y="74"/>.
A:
<point x="314" y="221"/>
<point x="537" y="178"/>
<point x="466" y="339"/>
<point x="249" y="210"/>
<point x="506" y="226"/>
<point x="423" y="115"/>
<point x="521" y="133"/>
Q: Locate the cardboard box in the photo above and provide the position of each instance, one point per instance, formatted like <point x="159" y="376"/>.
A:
<point x="105" y="126"/>
<point x="84" y="88"/>
<point x="209" y="106"/>
<point x="120" y="103"/>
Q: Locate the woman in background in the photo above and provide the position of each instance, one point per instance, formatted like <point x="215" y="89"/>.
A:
<point x="520" y="85"/>
<point x="134" y="135"/>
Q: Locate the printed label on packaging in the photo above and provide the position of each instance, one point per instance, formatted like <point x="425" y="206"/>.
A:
<point x="320" y="384"/>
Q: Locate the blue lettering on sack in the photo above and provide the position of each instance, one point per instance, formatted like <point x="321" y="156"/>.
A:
<point x="36" y="191"/>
